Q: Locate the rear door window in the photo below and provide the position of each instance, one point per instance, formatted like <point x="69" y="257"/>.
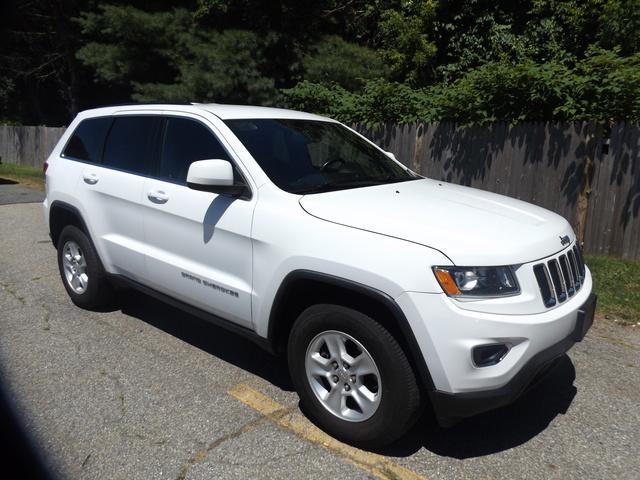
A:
<point x="130" y="144"/>
<point x="87" y="140"/>
<point x="186" y="141"/>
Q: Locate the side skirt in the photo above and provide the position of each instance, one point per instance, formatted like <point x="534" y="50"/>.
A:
<point x="120" y="281"/>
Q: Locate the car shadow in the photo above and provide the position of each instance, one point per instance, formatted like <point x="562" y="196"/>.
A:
<point x="484" y="434"/>
<point x="217" y="341"/>
<point x="497" y="430"/>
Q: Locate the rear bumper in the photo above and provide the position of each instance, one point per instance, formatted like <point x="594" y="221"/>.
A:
<point x="451" y="407"/>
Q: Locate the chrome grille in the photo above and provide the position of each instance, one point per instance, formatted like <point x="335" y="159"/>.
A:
<point x="558" y="280"/>
<point x="560" y="277"/>
<point x="573" y="266"/>
<point x="566" y="275"/>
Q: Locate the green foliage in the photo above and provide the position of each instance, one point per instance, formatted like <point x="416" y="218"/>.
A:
<point x="126" y="43"/>
<point x="620" y="25"/>
<point x="368" y="61"/>
<point x="470" y="34"/>
<point x="404" y="41"/>
<point x="165" y="56"/>
<point x="221" y="67"/>
<point x="379" y="101"/>
<point x="576" y="21"/>
<point x="604" y="85"/>
<point x="317" y="97"/>
<point x="500" y="90"/>
<point x="538" y="60"/>
<point x="134" y="49"/>
<point x="607" y="86"/>
<point x="333" y="60"/>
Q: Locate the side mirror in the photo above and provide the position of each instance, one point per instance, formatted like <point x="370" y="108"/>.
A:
<point x="214" y="176"/>
<point x="391" y="155"/>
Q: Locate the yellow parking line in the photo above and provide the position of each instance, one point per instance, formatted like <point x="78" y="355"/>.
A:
<point x="377" y="465"/>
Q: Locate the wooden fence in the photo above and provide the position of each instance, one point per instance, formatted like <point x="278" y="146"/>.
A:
<point x="28" y="145"/>
<point x="613" y="220"/>
<point x="543" y="163"/>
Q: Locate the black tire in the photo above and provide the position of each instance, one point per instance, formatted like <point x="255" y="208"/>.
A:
<point x="98" y="293"/>
<point x="400" y="402"/>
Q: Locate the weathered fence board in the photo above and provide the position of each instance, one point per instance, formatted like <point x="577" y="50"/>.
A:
<point x="542" y="163"/>
<point x="536" y="162"/>
<point x="28" y="145"/>
<point x="613" y="221"/>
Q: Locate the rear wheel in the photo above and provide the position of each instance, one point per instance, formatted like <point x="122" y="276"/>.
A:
<point x="352" y="376"/>
<point x="82" y="273"/>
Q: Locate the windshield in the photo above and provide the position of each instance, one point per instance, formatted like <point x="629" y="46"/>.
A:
<point x="307" y="156"/>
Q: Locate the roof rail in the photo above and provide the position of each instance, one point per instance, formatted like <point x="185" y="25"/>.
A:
<point x="127" y="104"/>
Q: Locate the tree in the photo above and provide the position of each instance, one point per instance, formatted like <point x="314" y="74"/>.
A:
<point x="223" y="67"/>
<point x="334" y="60"/>
<point x="620" y="26"/>
<point x="37" y="56"/>
<point x="166" y="56"/>
<point x="358" y="60"/>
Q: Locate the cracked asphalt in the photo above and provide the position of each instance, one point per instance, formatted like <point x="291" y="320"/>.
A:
<point x="143" y="392"/>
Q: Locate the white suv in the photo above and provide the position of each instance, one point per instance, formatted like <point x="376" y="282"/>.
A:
<point x="387" y="291"/>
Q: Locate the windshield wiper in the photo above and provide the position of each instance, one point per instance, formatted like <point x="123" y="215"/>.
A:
<point x="331" y="186"/>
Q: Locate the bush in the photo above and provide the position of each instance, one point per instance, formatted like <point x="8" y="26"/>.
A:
<point x="602" y="86"/>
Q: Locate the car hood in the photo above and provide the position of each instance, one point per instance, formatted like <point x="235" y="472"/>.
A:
<point x="470" y="226"/>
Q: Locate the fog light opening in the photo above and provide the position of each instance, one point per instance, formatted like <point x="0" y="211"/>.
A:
<point x="487" y="355"/>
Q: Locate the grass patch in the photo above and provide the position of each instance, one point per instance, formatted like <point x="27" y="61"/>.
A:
<point x="616" y="281"/>
<point x="26" y="176"/>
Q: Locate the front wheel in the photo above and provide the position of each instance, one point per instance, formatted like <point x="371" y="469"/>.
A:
<point x="352" y="376"/>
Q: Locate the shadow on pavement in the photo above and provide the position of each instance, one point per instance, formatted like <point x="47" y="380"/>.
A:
<point x="20" y="452"/>
<point x="497" y="430"/>
<point x="6" y="181"/>
<point x="201" y="334"/>
<point x="481" y="435"/>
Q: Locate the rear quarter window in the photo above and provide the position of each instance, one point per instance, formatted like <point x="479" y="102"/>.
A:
<point x="130" y="144"/>
<point x="87" y="140"/>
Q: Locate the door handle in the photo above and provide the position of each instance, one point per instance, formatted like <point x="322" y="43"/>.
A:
<point x="90" y="178"/>
<point x="158" y="196"/>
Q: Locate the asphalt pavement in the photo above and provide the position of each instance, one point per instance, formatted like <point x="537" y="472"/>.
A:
<point x="12" y="192"/>
<point x="146" y="391"/>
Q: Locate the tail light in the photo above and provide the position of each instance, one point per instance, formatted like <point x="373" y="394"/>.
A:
<point x="44" y="167"/>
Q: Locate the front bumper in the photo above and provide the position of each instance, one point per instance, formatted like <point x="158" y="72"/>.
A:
<point x="449" y="407"/>
<point x="447" y="335"/>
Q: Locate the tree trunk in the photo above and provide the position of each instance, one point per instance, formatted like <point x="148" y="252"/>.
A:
<point x="582" y="207"/>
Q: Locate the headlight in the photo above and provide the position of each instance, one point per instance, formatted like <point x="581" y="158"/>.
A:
<point x="477" y="281"/>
